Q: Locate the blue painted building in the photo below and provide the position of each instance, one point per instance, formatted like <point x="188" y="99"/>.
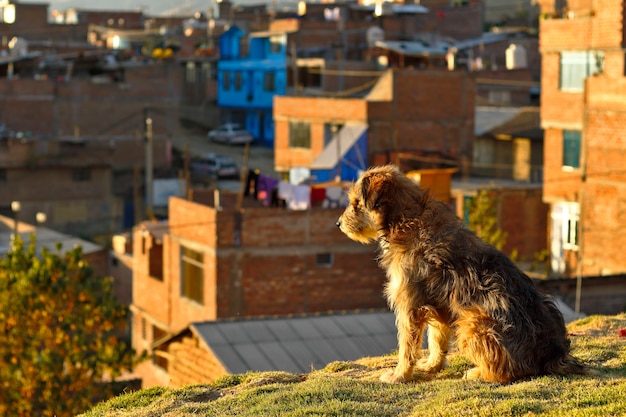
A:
<point x="246" y="86"/>
<point x="344" y="157"/>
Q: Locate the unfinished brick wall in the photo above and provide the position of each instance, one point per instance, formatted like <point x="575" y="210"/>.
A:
<point x="150" y="294"/>
<point x="317" y="112"/>
<point x="422" y="110"/>
<point x="270" y="261"/>
<point x="604" y="191"/>
<point x="599" y="184"/>
<point x="191" y="362"/>
<point x="431" y="110"/>
<point x="86" y="108"/>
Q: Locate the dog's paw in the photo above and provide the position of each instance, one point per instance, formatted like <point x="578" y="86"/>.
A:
<point x="391" y="377"/>
<point x="473" y="373"/>
<point x="430" y="366"/>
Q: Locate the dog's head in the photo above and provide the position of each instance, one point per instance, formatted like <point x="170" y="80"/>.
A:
<point x="374" y="201"/>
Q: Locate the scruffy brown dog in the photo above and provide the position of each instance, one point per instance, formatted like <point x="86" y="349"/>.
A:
<point x="442" y="275"/>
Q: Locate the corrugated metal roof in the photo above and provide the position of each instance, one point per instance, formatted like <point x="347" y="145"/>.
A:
<point x="45" y="238"/>
<point x="297" y="344"/>
<point x="512" y="121"/>
<point x="488" y="118"/>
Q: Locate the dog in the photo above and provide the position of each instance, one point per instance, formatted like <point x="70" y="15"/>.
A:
<point x="441" y="275"/>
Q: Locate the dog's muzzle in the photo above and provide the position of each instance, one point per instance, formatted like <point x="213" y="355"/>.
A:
<point x="338" y="224"/>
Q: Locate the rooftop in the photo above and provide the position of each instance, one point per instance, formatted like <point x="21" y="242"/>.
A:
<point x="295" y="344"/>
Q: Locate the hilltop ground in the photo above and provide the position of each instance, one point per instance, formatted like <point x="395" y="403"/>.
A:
<point x="353" y="389"/>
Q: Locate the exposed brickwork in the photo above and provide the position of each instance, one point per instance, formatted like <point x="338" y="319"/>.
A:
<point x="274" y="265"/>
<point x="599" y="186"/>
<point x="431" y="110"/>
<point x="92" y="109"/>
<point x="423" y="110"/>
<point x="524" y="216"/>
<point x="191" y="361"/>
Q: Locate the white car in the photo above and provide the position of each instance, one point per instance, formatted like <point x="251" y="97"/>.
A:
<point x="230" y="134"/>
<point x="216" y="166"/>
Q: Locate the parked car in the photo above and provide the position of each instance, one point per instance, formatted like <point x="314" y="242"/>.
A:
<point x="215" y="166"/>
<point x="230" y="133"/>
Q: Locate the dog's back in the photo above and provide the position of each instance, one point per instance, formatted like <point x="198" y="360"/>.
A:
<point x="441" y="273"/>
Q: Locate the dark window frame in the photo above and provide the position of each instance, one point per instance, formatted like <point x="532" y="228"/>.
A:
<point x="572" y="142"/>
<point x="300" y="135"/>
<point x="192" y="274"/>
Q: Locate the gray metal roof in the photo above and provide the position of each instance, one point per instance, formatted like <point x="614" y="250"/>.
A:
<point x="297" y="344"/>
<point x="45" y="238"/>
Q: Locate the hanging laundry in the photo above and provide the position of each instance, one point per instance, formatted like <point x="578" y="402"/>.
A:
<point x="285" y="190"/>
<point x="318" y="195"/>
<point x="335" y="197"/>
<point x="265" y="186"/>
<point x="301" y="198"/>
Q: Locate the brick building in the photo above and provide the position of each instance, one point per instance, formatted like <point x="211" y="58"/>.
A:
<point x="406" y="111"/>
<point x="583" y="103"/>
<point x="76" y="144"/>
<point x="208" y="264"/>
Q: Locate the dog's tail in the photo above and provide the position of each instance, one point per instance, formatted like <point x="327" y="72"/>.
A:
<point x="568" y="365"/>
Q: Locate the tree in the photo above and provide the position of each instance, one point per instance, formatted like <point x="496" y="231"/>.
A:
<point x="61" y="332"/>
<point x="483" y="218"/>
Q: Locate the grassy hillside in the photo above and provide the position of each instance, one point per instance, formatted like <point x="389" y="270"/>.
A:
<point x="352" y="389"/>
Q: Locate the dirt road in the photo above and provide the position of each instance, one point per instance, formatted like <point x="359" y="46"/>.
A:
<point x="198" y="144"/>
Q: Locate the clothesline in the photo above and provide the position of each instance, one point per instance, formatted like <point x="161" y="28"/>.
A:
<point x="280" y="193"/>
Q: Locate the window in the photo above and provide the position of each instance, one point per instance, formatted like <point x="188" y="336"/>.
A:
<point x="158" y="333"/>
<point x="3" y="175"/>
<point x="144" y="329"/>
<point x="155" y="260"/>
<point x="190" y="73"/>
<point x="575" y="66"/>
<point x="299" y="135"/>
<point x="226" y="80"/>
<point x="158" y="358"/>
<point x="238" y="81"/>
<point x="565" y="217"/>
<point x="571" y="148"/>
<point x="206" y="74"/>
<point x="330" y="131"/>
<point x="269" y="81"/>
<point x="192" y="274"/>
<point x="81" y="175"/>
<point x="324" y="259"/>
<point x="276" y="43"/>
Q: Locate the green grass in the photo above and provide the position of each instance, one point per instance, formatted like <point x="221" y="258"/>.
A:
<point x="353" y="389"/>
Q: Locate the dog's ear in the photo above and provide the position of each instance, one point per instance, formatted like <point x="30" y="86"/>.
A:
<point x="371" y="188"/>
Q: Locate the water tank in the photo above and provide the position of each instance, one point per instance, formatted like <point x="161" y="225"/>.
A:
<point x="515" y="57"/>
<point x="373" y="35"/>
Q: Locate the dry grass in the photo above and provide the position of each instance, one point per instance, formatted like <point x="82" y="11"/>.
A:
<point x="353" y="389"/>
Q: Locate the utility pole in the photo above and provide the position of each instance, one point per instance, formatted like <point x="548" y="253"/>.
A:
<point x="335" y="132"/>
<point x="149" y="159"/>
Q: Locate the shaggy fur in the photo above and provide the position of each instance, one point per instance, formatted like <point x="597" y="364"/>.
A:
<point x="442" y="275"/>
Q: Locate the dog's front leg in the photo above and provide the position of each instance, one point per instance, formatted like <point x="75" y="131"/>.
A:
<point x="438" y="342"/>
<point x="410" y="326"/>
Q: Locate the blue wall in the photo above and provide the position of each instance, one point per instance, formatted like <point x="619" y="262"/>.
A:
<point x="351" y="163"/>
<point x="250" y="83"/>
